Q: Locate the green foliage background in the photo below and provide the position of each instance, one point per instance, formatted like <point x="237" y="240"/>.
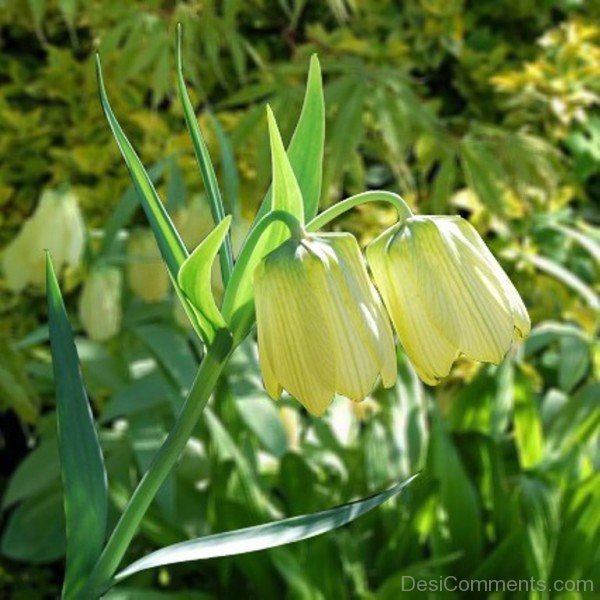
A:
<point x="489" y="109"/>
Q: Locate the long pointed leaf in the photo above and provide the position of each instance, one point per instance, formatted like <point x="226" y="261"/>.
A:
<point x="172" y="248"/>
<point x="82" y="464"/>
<point x="194" y="278"/>
<point x="204" y="162"/>
<point x="261" y="537"/>
<point x="238" y="303"/>
<point x="126" y="208"/>
<point x="306" y="147"/>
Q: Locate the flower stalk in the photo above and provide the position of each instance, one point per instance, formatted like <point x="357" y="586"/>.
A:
<point x="333" y="212"/>
<point x="212" y="366"/>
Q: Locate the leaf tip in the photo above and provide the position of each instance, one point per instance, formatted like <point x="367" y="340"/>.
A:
<point x="274" y="134"/>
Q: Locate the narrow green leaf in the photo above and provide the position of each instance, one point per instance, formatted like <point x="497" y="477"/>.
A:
<point x="238" y="304"/>
<point x="194" y="278"/>
<point x="529" y="435"/>
<point x="82" y="464"/>
<point x="229" y="173"/>
<point x="126" y="208"/>
<point x="308" y="141"/>
<point x="261" y="537"/>
<point x="457" y="497"/>
<point x="204" y="162"/>
<point x="172" y="248"/>
<point x="306" y="147"/>
<point x="566" y="277"/>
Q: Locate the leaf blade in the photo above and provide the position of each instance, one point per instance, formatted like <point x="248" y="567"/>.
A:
<point x="194" y="278"/>
<point x="238" y="304"/>
<point x="261" y="537"/>
<point x="171" y="246"/>
<point x="82" y="463"/>
<point x="204" y="162"/>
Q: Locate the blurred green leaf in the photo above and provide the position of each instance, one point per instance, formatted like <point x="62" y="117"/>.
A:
<point x="38" y="471"/>
<point x="529" y="436"/>
<point x="35" y="531"/>
<point x="458" y="497"/>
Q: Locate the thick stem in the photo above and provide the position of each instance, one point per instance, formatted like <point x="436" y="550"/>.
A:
<point x="336" y="210"/>
<point x="211" y="367"/>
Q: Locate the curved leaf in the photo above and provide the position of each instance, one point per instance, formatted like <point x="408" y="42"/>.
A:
<point x="172" y="248"/>
<point x="194" y="278"/>
<point x="261" y="537"/>
<point x="82" y="464"/>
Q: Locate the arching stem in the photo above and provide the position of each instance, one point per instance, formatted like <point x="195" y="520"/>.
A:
<point x="340" y="208"/>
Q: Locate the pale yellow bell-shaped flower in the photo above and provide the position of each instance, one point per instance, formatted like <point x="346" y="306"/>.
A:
<point x="147" y="274"/>
<point x="100" y="304"/>
<point x="56" y="226"/>
<point x="446" y="294"/>
<point x="322" y="329"/>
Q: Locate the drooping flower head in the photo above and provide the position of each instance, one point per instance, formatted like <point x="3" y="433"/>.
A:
<point x="321" y="326"/>
<point x="446" y="294"/>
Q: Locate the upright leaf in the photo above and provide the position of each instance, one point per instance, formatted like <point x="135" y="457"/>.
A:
<point x="238" y="305"/>
<point x="172" y="248"/>
<point x="82" y="464"/>
<point x="529" y="435"/>
<point x="126" y="208"/>
<point x="204" y="162"/>
<point x="306" y="147"/>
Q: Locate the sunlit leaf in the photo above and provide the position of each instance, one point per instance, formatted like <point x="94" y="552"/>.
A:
<point x="172" y="248"/>
<point x="204" y="162"/>
<point x="261" y="537"/>
<point x="194" y="278"/>
<point x="238" y="304"/>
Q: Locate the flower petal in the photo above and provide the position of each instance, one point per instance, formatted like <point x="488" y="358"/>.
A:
<point x="371" y="322"/>
<point x="399" y="282"/>
<point x="464" y="296"/>
<point x="294" y="334"/>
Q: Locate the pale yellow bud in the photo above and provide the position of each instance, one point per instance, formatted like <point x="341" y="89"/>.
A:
<point x="57" y="226"/>
<point x="321" y="326"/>
<point x="147" y="274"/>
<point x="446" y="294"/>
<point x="100" y="304"/>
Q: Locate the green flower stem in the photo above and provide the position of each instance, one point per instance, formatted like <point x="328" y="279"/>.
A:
<point x="336" y="210"/>
<point x="211" y="367"/>
<point x="295" y="228"/>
